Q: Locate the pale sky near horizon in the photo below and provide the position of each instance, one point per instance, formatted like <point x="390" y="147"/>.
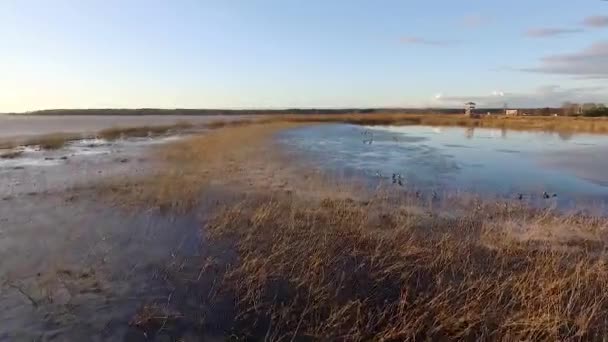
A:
<point x="308" y="53"/>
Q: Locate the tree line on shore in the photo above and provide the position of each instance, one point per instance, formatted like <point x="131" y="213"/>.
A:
<point x="567" y="109"/>
<point x="585" y="109"/>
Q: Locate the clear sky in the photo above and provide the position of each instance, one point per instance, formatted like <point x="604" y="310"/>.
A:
<point x="300" y="53"/>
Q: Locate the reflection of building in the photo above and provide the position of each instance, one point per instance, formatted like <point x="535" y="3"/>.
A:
<point x="469" y="107"/>
<point x="565" y="135"/>
<point x="469" y="132"/>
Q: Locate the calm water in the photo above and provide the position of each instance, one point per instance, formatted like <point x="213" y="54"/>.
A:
<point x="22" y="125"/>
<point x="490" y="162"/>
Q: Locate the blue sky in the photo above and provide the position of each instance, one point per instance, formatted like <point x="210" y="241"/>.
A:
<point x="288" y="53"/>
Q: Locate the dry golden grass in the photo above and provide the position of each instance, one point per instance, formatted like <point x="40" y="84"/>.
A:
<point x="188" y="166"/>
<point x="349" y="271"/>
<point x="551" y="124"/>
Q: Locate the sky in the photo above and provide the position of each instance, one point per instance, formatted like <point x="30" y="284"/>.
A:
<point x="301" y="53"/>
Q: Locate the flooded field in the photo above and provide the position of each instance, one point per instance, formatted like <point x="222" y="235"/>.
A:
<point x="68" y="257"/>
<point x="77" y="266"/>
<point x="80" y="163"/>
<point x="24" y="125"/>
<point x="531" y="166"/>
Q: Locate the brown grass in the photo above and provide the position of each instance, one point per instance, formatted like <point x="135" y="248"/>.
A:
<point x="551" y="124"/>
<point x="350" y="271"/>
<point x="188" y="166"/>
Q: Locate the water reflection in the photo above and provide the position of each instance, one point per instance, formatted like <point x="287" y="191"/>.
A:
<point x="481" y="160"/>
<point x="565" y="135"/>
<point x="469" y="132"/>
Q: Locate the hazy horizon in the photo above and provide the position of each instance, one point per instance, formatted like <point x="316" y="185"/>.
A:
<point x="271" y="54"/>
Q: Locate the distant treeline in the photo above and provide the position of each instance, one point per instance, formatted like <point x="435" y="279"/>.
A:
<point x="153" y="111"/>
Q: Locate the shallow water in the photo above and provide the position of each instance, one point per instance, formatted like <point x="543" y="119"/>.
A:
<point x="73" y="267"/>
<point x="23" y="125"/>
<point x="489" y="162"/>
<point x="79" y="163"/>
<point x="79" y="270"/>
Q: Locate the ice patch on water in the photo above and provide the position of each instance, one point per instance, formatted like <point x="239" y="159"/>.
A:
<point x="151" y="141"/>
<point x="33" y="156"/>
<point x="29" y="149"/>
<point x="28" y="161"/>
<point x="90" y="142"/>
<point x="90" y="152"/>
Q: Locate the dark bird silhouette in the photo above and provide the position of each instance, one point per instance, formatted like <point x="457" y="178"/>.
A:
<point x="520" y="197"/>
<point x="397" y="179"/>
